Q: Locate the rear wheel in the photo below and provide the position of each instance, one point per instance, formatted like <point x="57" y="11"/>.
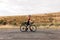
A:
<point x="23" y="28"/>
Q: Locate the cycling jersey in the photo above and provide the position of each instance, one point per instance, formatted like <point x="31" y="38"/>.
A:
<point x="28" y="22"/>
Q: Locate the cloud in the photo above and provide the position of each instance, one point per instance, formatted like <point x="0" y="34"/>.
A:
<point x="26" y="7"/>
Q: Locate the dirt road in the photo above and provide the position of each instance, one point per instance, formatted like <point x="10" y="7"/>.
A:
<point x="41" y="34"/>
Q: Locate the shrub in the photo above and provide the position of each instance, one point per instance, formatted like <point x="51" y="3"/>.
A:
<point x="57" y="25"/>
<point x="13" y="23"/>
<point x="51" y="19"/>
<point x="4" y="23"/>
<point x="44" y="24"/>
<point x="1" y="21"/>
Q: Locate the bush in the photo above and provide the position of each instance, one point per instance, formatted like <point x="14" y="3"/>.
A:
<point x="44" y="24"/>
<point x="13" y="23"/>
<point x="4" y="23"/>
<point x="51" y="19"/>
<point x="1" y="21"/>
<point x="57" y="24"/>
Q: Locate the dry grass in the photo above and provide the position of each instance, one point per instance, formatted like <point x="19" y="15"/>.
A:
<point x="38" y="18"/>
<point x="9" y="26"/>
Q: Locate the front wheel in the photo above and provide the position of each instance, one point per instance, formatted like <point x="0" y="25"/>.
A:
<point x="33" y="28"/>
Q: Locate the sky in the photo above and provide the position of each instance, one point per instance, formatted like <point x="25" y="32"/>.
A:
<point x="28" y="7"/>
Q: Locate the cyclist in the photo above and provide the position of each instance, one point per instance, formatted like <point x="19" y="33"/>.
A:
<point x="28" y="25"/>
<point x="29" y="19"/>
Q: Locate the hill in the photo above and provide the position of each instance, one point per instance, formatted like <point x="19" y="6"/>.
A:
<point x="38" y="18"/>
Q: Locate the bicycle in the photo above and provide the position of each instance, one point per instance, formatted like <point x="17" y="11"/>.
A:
<point x="31" y="27"/>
